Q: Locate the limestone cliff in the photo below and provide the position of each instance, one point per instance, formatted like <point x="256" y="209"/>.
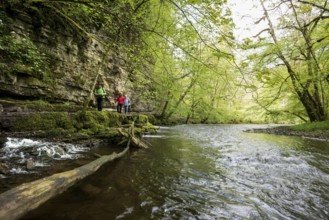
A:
<point x="72" y="63"/>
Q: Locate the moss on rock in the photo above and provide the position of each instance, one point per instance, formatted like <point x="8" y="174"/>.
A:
<point x="43" y="121"/>
<point x="78" y="125"/>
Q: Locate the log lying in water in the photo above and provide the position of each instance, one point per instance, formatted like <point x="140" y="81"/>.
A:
<point x="18" y="201"/>
<point x="131" y="136"/>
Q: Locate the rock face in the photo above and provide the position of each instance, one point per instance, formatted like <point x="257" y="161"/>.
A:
<point x="74" y="65"/>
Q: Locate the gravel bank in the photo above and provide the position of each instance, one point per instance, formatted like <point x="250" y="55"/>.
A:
<point x="286" y="130"/>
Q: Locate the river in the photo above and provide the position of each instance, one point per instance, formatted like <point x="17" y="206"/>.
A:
<point x="204" y="172"/>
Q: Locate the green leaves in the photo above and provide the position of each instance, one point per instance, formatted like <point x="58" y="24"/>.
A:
<point x="290" y="60"/>
<point x="20" y="54"/>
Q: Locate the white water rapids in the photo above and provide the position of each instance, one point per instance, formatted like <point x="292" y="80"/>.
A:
<point x="18" y="150"/>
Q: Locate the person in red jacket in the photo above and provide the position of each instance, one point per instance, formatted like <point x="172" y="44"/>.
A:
<point x="120" y="102"/>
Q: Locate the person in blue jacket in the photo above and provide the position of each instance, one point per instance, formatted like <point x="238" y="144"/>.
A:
<point x="127" y="104"/>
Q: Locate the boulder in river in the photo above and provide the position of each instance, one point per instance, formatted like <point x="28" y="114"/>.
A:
<point x="4" y="168"/>
<point x="29" y="164"/>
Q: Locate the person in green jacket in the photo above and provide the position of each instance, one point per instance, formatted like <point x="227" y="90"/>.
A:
<point x="100" y="95"/>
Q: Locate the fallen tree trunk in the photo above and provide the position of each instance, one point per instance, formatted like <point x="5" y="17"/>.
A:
<point x="131" y="136"/>
<point x="18" y="201"/>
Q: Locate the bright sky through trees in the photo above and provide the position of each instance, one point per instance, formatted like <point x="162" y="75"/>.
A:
<point x="190" y="60"/>
<point x="245" y="14"/>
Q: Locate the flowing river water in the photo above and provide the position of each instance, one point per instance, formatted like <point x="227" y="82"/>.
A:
<point x="204" y="172"/>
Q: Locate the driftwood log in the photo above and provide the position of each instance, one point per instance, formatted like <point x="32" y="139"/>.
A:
<point x="130" y="135"/>
<point x="18" y="201"/>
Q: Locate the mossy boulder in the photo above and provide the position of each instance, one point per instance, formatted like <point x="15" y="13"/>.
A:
<point x="77" y="125"/>
<point x="43" y="121"/>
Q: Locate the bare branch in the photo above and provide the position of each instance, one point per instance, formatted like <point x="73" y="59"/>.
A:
<point x="197" y="32"/>
<point x="264" y="30"/>
<point x="315" y="5"/>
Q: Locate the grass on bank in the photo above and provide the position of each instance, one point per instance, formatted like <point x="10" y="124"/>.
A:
<point x="312" y="127"/>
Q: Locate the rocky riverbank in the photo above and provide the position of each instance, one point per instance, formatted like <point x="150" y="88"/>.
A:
<point x="289" y="131"/>
<point x="39" y="139"/>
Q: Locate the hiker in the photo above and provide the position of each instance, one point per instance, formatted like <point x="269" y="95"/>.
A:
<point x="120" y="102"/>
<point x="100" y="95"/>
<point x="127" y="103"/>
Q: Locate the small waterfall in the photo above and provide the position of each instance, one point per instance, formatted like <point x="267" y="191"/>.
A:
<point x="19" y="150"/>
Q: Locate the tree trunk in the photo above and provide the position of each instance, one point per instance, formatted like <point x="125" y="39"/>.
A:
<point x="314" y="108"/>
<point x="181" y="98"/>
<point x="18" y="201"/>
<point x="134" y="140"/>
<point x="309" y="97"/>
<point x="187" y="118"/>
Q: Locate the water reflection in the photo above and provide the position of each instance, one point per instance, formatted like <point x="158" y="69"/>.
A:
<point x="205" y="172"/>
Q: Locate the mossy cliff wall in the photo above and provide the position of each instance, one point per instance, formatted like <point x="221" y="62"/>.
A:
<point x="44" y="59"/>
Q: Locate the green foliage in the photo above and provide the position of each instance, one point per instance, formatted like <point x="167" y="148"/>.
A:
<point x="39" y="105"/>
<point x="286" y="73"/>
<point x="315" y="126"/>
<point x="44" y="106"/>
<point x="140" y="119"/>
<point x="44" y="121"/>
<point x="171" y="49"/>
<point x="184" y="56"/>
<point x="178" y="56"/>
<point x="93" y="121"/>
<point x="19" y="54"/>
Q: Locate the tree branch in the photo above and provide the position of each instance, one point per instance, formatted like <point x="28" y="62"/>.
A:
<point x="315" y="5"/>
<point x="197" y="32"/>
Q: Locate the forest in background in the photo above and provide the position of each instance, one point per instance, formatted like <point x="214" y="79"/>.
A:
<point x="183" y="55"/>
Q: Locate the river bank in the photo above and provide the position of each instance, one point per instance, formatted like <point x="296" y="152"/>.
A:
<point x="38" y="139"/>
<point x="318" y="131"/>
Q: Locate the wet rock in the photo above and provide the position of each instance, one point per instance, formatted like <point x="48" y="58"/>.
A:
<point x="21" y="161"/>
<point x="59" y="150"/>
<point x="57" y="156"/>
<point x="27" y="151"/>
<point x="29" y="164"/>
<point x="2" y="142"/>
<point x="97" y="155"/>
<point x="45" y="155"/>
<point x="34" y="153"/>
<point x="14" y="109"/>
<point x="4" y="168"/>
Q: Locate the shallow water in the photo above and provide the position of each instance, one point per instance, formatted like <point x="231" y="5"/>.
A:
<point x="204" y="172"/>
